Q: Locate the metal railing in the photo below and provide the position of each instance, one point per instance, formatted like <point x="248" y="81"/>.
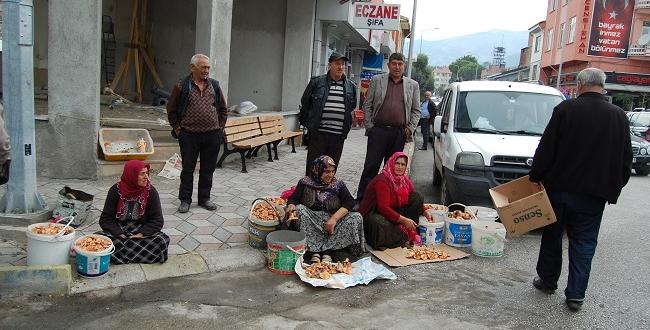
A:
<point x="642" y="4"/>
<point x="638" y="50"/>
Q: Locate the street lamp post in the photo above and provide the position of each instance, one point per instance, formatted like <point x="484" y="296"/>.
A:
<point x="415" y="6"/>
<point x="421" y="33"/>
<point x="476" y="71"/>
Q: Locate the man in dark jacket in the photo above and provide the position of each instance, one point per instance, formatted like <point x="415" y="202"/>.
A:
<point x="197" y="113"/>
<point x="584" y="159"/>
<point x="326" y="110"/>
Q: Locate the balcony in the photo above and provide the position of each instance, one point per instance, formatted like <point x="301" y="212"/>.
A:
<point x="642" y="6"/>
<point x="639" y="52"/>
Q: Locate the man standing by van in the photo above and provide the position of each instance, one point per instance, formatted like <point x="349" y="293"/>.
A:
<point x="427" y="112"/>
<point x="391" y="113"/>
<point x="579" y="186"/>
<point x="326" y="110"/>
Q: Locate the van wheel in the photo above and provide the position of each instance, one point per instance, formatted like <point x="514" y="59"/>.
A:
<point x="436" y="176"/>
<point x="639" y="171"/>
<point x="445" y="197"/>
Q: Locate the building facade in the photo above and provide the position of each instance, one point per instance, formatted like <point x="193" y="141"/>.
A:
<point x="263" y="51"/>
<point x="535" y="42"/>
<point x="612" y="35"/>
<point x="441" y="78"/>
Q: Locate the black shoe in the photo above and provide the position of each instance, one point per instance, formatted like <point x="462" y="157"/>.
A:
<point x="574" y="304"/>
<point x="184" y="207"/>
<point x="539" y="285"/>
<point x="422" y="148"/>
<point x="208" y="205"/>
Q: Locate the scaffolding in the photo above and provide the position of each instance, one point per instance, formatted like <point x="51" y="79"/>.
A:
<point x="499" y="57"/>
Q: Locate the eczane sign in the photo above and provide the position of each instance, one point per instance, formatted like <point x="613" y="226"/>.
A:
<point x="376" y="16"/>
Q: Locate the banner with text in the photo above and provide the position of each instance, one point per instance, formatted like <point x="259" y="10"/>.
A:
<point x="376" y="16"/>
<point x="611" y="25"/>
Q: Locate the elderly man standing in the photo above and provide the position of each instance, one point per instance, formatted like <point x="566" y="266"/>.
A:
<point x="578" y="186"/>
<point x="326" y="110"/>
<point x="428" y="111"/>
<point x="197" y="112"/>
<point x="391" y="113"/>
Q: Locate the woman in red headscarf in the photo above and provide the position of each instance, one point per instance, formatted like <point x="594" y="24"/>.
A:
<point x="133" y="219"/>
<point x="391" y="207"/>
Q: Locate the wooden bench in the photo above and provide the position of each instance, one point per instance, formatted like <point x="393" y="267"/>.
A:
<point x="273" y="127"/>
<point x="245" y="136"/>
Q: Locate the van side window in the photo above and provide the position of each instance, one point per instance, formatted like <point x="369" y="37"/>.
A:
<point x="446" y="106"/>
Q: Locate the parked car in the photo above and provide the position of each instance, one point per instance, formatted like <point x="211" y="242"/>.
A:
<point x="640" y="124"/>
<point x="486" y="135"/>
<point x="641" y="155"/>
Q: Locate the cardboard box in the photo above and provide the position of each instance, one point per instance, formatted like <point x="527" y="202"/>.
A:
<point x="397" y="257"/>
<point x="522" y="206"/>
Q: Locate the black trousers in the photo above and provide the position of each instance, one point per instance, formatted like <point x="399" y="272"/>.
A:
<point x="206" y="145"/>
<point x="425" y="127"/>
<point x="382" y="233"/>
<point x="383" y="142"/>
<point x="580" y="216"/>
<point x="321" y="143"/>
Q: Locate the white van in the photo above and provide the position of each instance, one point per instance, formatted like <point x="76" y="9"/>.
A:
<point x="486" y="135"/>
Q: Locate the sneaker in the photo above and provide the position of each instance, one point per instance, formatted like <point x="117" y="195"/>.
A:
<point x="574" y="304"/>
<point x="539" y="285"/>
<point x="315" y="258"/>
<point x="327" y="258"/>
<point x="184" y="207"/>
<point x="208" y="205"/>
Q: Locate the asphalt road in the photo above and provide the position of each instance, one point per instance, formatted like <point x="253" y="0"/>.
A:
<point x="472" y="293"/>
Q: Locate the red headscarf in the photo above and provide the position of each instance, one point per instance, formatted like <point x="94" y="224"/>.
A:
<point x="400" y="184"/>
<point x="128" y="188"/>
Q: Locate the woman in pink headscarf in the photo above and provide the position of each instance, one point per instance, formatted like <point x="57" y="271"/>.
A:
<point x="391" y="207"/>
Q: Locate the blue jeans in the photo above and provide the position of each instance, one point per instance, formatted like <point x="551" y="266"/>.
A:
<point x="580" y="214"/>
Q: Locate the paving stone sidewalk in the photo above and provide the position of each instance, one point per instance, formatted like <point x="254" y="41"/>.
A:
<point x="233" y="191"/>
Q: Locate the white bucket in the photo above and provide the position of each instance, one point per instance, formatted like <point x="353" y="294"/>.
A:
<point x="484" y="213"/>
<point x="48" y="249"/>
<point x="431" y="232"/>
<point x="458" y="233"/>
<point x="438" y="212"/>
<point x="488" y="239"/>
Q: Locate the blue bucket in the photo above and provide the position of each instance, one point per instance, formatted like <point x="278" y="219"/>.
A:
<point x="93" y="264"/>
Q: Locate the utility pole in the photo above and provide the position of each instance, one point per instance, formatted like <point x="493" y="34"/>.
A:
<point x="18" y="92"/>
<point x="415" y="7"/>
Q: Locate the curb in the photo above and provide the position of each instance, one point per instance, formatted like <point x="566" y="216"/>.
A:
<point x="34" y="280"/>
<point x="26" y="280"/>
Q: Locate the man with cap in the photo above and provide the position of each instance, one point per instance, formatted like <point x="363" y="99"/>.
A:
<point x="326" y="111"/>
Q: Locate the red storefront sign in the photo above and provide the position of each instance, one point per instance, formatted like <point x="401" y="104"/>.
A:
<point x="627" y="78"/>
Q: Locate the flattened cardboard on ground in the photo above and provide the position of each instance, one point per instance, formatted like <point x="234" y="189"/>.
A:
<point x="397" y="257"/>
<point x="522" y="206"/>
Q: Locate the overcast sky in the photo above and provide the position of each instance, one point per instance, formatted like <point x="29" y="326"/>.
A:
<point x="461" y="17"/>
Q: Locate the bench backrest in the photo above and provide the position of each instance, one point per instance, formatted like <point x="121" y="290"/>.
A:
<point x="271" y="124"/>
<point x="241" y="128"/>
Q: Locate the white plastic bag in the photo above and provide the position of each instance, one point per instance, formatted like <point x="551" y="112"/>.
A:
<point x="243" y="108"/>
<point x="363" y="272"/>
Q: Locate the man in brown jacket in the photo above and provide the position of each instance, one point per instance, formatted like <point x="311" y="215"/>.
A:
<point x="197" y="112"/>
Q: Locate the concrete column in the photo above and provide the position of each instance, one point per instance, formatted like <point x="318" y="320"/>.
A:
<point x="298" y="36"/>
<point x="317" y="48"/>
<point x="74" y="53"/>
<point x="213" y="31"/>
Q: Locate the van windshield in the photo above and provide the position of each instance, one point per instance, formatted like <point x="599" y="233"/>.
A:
<point x="505" y="112"/>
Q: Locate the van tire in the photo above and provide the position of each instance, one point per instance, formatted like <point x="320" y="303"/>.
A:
<point x="638" y="171"/>
<point x="436" y="177"/>
<point x="445" y="197"/>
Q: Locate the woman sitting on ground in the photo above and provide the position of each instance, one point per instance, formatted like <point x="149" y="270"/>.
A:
<point x="133" y="219"/>
<point x="391" y="206"/>
<point x="323" y="203"/>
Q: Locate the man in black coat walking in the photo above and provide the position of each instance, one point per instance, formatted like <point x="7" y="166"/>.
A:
<point x="584" y="159"/>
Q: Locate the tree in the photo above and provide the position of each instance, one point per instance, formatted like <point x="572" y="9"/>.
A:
<point x="423" y="73"/>
<point x="465" y="68"/>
